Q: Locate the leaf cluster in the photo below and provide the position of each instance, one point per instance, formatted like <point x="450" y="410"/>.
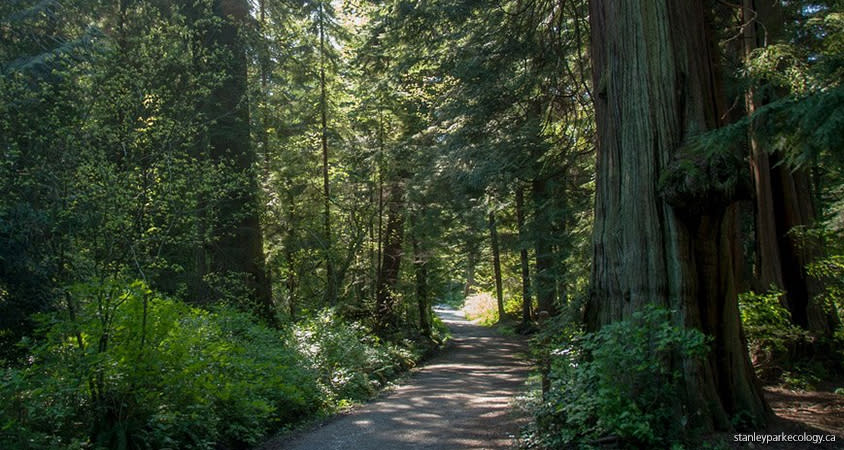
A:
<point x="131" y="368"/>
<point x="619" y="384"/>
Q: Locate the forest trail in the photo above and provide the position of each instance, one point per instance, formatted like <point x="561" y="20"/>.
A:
<point x="460" y="399"/>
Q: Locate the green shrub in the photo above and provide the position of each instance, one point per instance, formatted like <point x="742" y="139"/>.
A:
<point x="830" y="271"/>
<point x="134" y="370"/>
<point x="619" y="382"/>
<point x="771" y="336"/>
<point x="350" y="361"/>
<point x="125" y="368"/>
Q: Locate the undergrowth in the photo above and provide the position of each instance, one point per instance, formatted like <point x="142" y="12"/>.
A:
<point x="782" y="352"/>
<point x="126" y="368"/>
<point x="615" y="385"/>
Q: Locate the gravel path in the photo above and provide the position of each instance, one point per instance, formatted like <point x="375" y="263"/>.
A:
<point x="461" y="399"/>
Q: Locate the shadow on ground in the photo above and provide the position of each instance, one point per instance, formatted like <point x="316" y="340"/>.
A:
<point x="460" y="400"/>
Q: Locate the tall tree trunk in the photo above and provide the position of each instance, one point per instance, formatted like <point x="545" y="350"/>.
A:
<point x="420" y="265"/>
<point x="795" y="208"/>
<point x="239" y="245"/>
<point x="471" y="262"/>
<point x="496" y="264"/>
<point x="373" y="262"/>
<point x="545" y="280"/>
<point x="330" y="281"/>
<point x="290" y="264"/>
<point x="562" y="242"/>
<point x="379" y="255"/>
<point x="783" y="198"/>
<point x="266" y="69"/>
<point x="388" y="277"/>
<point x="768" y="265"/>
<point x="656" y="81"/>
<point x="523" y="255"/>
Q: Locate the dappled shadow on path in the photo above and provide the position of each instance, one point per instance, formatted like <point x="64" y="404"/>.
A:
<point x="459" y="400"/>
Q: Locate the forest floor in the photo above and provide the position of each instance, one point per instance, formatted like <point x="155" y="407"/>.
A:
<point x="460" y="399"/>
<point x="818" y="413"/>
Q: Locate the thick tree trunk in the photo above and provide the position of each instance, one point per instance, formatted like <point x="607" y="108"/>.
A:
<point x="545" y="279"/>
<point x="496" y="264"/>
<point x="655" y="78"/>
<point x="238" y="248"/>
<point x="523" y="256"/>
<point x="388" y="277"/>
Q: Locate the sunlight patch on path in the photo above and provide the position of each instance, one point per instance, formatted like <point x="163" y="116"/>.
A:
<point x="460" y="400"/>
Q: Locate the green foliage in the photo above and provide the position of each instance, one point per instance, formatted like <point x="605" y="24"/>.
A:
<point x="771" y="335"/>
<point x="125" y="368"/>
<point x="349" y="361"/>
<point x="774" y="340"/>
<point x="621" y="381"/>
<point x="138" y="370"/>
<point x="803" y="377"/>
<point x="799" y="76"/>
<point x="453" y="295"/>
<point x="763" y="310"/>
<point x="104" y="145"/>
<point x="830" y="270"/>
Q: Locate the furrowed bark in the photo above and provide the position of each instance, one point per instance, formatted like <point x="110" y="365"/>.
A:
<point x="656" y="82"/>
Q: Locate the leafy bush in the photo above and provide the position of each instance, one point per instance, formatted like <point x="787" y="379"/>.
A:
<point x="830" y="270"/>
<point x="350" y="361"/>
<point x="771" y="335"/>
<point x="125" y="368"/>
<point x="133" y="370"/>
<point x="618" y="382"/>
